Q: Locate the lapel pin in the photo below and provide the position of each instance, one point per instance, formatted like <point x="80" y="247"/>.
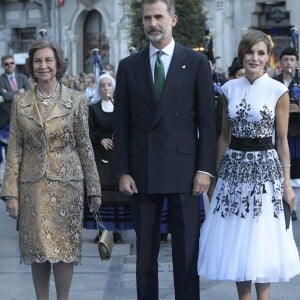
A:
<point x="183" y="67"/>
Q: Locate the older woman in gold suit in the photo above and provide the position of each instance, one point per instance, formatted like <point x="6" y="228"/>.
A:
<point x="49" y="160"/>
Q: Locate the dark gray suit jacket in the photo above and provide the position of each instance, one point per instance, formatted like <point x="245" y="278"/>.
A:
<point x="162" y="145"/>
<point x="8" y="94"/>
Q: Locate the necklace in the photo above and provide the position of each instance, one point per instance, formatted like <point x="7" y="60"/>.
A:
<point x="46" y="99"/>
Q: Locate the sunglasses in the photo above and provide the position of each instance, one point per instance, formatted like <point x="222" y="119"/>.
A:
<point x="9" y="63"/>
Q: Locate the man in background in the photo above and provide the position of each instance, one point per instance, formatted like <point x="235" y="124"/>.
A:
<point x="290" y="77"/>
<point x="11" y="83"/>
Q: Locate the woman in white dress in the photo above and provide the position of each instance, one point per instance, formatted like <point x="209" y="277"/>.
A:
<point x="244" y="237"/>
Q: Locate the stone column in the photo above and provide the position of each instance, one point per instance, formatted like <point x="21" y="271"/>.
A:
<point x="229" y="47"/>
<point x="74" y="54"/>
<point x="219" y="36"/>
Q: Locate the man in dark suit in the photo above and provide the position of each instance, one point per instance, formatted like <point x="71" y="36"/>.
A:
<point x="11" y="83"/>
<point x="165" y="146"/>
<point x="289" y="62"/>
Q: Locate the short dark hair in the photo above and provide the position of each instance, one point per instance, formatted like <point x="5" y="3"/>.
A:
<point x="5" y="57"/>
<point x="235" y="66"/>
<point x="289" y="51"/>
<point x="59" y="57"/>
<point x="170" y="5"/>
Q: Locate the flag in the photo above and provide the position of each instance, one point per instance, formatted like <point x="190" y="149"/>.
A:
<point x="272" y="61"/>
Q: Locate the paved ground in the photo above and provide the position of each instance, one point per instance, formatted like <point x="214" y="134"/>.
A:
<point x="113" y="279"/>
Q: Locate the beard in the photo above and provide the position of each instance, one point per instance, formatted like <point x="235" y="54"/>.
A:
<point x="159" y="36"/>
<point x="154" y="38"/>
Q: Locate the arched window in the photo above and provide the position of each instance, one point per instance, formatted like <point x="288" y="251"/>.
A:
<point x="94" y="37"/>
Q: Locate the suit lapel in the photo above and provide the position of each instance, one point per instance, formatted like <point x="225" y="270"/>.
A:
<point x="63" y="105"/>
<point x="5" y="83"/>
<point x="176" y="73"/>
<point x="28" y="108"/>
<point x="61" y="108"/>
<point x="145" y="81"/>
<point x="19" y="81"/>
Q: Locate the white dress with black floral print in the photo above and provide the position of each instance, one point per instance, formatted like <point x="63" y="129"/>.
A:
<point x="244" y="235"/>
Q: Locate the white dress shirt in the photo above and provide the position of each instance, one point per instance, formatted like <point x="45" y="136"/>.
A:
<point x="165" y="58"/>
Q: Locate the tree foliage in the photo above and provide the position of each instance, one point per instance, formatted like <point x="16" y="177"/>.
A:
<point x="189" y="30"/>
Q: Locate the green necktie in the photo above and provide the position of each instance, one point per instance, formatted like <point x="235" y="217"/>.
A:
<point x="159" y="75"/>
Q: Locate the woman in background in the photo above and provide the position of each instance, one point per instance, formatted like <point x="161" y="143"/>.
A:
<point x="116" y="211"/>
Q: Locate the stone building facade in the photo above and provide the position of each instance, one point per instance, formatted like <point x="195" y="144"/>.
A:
<point x="78" y="25"/>
<point x="81" y="25"/>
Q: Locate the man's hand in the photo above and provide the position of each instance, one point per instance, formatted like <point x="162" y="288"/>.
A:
<point x="127" y="185"/>
<point x="108" y="144"/>
<point x="201" y="183"/>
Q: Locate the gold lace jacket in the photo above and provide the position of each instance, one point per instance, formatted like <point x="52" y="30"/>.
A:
<point x="58" y="147"/>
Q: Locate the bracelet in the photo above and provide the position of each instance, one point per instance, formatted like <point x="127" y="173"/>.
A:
<point x="286" y="164"/>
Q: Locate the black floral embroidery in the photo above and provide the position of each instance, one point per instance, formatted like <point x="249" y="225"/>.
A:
<point x="242" y="127"/>
<point x="245" y="177"/>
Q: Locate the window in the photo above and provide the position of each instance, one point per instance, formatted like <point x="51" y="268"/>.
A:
<point x="24" y="38"/>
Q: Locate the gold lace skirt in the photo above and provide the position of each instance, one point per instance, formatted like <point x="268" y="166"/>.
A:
<point x="50" y="223"/>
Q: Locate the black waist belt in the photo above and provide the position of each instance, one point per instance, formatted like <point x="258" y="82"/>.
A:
<point x="249" y="144"/>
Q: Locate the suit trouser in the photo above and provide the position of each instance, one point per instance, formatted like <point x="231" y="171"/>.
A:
<point x="184" y="216"/>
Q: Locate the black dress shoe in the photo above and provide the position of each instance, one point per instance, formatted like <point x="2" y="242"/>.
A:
<point x="117" y="237"/>
<point x="294" y="216"/>
<point x="163" y="238"/>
